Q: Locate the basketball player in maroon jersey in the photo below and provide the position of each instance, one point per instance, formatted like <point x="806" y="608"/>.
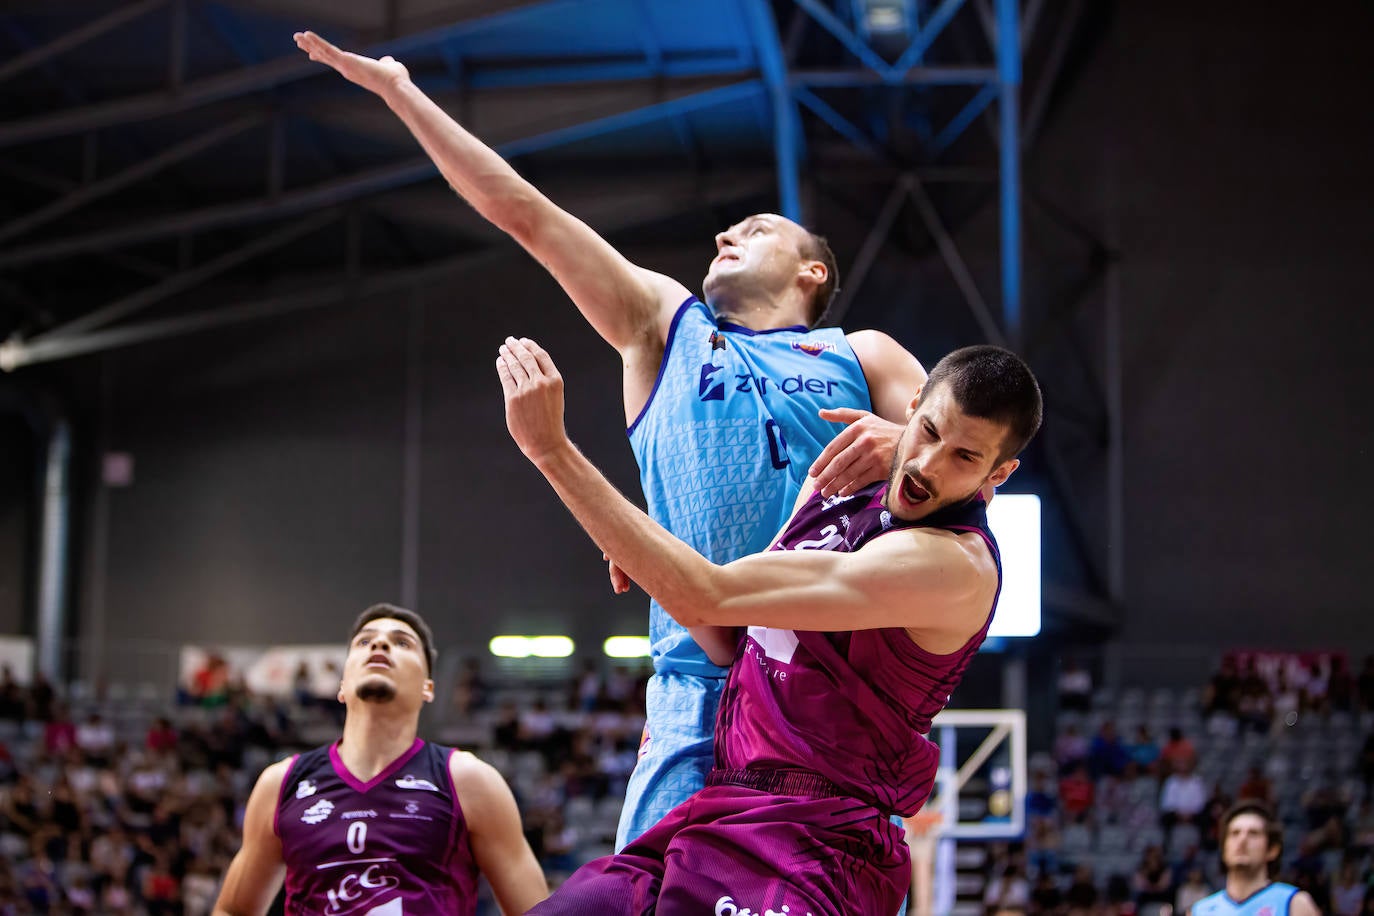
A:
<point x="382" y="822"/>
<point x="861" y="619"/>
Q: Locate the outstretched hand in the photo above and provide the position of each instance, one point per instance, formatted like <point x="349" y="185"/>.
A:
<point x="378" y="76"/>
<point x="533" y="391"/>
<point x="859" y="455"/>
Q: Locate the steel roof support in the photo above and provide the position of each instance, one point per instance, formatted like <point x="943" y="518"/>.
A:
<point x="77" y="37"/>
<point x="787" y="136"/>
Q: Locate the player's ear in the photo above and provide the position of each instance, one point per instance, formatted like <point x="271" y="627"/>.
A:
<point x="427" y="691"/>
<point x="341" y="692"/>
<point x="915" y="400"/>
<point x="1003" y="471"/>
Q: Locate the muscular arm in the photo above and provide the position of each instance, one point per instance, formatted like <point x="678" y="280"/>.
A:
<point x="862" y="452"/>
<point x="498" y="843"/>
<point x="255" y="875"/>
<point x="629" y="306"/>
<point x="925" y="580"/>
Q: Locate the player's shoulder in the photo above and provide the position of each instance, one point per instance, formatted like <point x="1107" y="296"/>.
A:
<point x="1211" y="905"/>
<point x="481" y="789"/>
<point x="274" y="774"/>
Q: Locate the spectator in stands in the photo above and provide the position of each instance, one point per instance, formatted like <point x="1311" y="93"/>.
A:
<point x="1081" y="896"/>
<point x="1365" y="765"/>
<point x="1218" y="803"/>
<point x="12" y="701"/>
<point x="470" y="690"/>
<point x="1008" y="891"/>
<point x="1040" y="802"/>
<point x="1347" y="890"/>
<point x="1144" y="750"/>
<point x="1258" y="786"/>
<point x="303" y="685"/>
<point x="587" y="687"/>
<point x="1112" y="802"/>
<point x="1285" y="705"/>
<point x="161" y="737"/>
<point x="1106" y="754"/>
<point x="1177" y="752"/>
<point x="1255" y="710"/>
<point x="96" y="739"/>
<point x="1193" y="889"/>
<point x="1046" y="898"/>
<point x="41" y="698"/>
<point x="1364" y="684"/>
<point x="20" y="809"/>
<point x="1315" y="691"/>
<point x="1182" y="799"/>
<point x="1222" y="694"/>
<point x="1076" y="795"/>
<point x="210" y="682"/>
<point x="1362" y="831"/>
<point x="1152" y="881"/>
<point x="1043" y="844"/>
<point x="59" y="734"/>
<point x="1075" y="687"/>
<point x="1141" y="798"/>
<point x="1340" y="690"/>
<point x="1070" y="749"/>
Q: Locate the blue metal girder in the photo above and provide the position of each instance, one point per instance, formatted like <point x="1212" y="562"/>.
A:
<point x="856" y="45"/>
<point x="842" y="125"/>
<point x="1009" y="87"/>
<point x="787" y="136"/>
<point x="922" y="41"/>
<point x="960" y="122"/>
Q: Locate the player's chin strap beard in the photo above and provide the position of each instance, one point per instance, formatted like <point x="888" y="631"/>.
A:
<point x="377" y="691"/>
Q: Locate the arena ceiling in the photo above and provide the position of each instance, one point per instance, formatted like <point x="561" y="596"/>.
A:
<point x="163" y="159"/>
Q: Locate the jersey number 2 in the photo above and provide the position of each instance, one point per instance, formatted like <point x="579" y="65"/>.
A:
<point x="357" y="836"/>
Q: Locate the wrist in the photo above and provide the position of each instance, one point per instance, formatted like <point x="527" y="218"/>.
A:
<point x="554" y="458"/>
<point x="396" y="91"/>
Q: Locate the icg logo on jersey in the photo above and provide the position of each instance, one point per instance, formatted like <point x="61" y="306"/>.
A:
<point x="357" y="890"/>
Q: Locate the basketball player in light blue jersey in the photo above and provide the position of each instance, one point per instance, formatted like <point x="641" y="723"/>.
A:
<point x="1251" y="843"/>
<point x="730" y="399"/>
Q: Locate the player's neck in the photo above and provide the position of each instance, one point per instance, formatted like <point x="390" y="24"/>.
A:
<point x="373" y="739"/>
<point x="761" y="313"/>
<point x="1243" y="883"/>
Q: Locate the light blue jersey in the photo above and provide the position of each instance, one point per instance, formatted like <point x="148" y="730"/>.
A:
<point x="727" y="437"/>
<point x="1272" y="901"/>
<point x="724" y="445"/>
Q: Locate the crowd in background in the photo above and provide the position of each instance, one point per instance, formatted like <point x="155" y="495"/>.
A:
<point x="104" y="816"/>
<point x="1120" y="823"/>
<point x="112" y="811"/>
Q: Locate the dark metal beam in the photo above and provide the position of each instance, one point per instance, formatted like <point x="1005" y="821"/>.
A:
<point x="141" y="169"/>
<point x="226" y="85"/>
<point x="963" y="278"/>
<point x="357" y="185"/>
<point x="77" y="37"/>
<point x="180" y="282"/>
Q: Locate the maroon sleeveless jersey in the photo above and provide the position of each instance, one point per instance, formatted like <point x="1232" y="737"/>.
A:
<point x="396" y="844"/>
<point x="852" y="707"/>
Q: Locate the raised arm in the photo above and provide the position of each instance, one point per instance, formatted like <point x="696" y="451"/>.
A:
<point x="928" y="581"/>
<point x="862" y="452"/>
<point x="629" y="306"/>
<point x="498" y="843"/>
<point x="256" y="872"/>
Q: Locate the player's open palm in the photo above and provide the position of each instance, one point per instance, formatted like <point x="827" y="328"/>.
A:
<point x="377" y="76"/>
<point x="859" y="455"/>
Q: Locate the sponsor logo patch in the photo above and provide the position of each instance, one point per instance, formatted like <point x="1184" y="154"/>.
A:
<point x="318" y="811"/>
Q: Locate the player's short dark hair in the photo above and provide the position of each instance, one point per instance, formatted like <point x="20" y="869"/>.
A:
<point x="417" y="623"/>
<point x="816" y="248"/>
<point x="1273" y="829"/>
<point x="993" y="384"/>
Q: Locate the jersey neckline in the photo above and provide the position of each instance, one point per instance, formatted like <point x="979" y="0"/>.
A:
<point x="358" y="785"/>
